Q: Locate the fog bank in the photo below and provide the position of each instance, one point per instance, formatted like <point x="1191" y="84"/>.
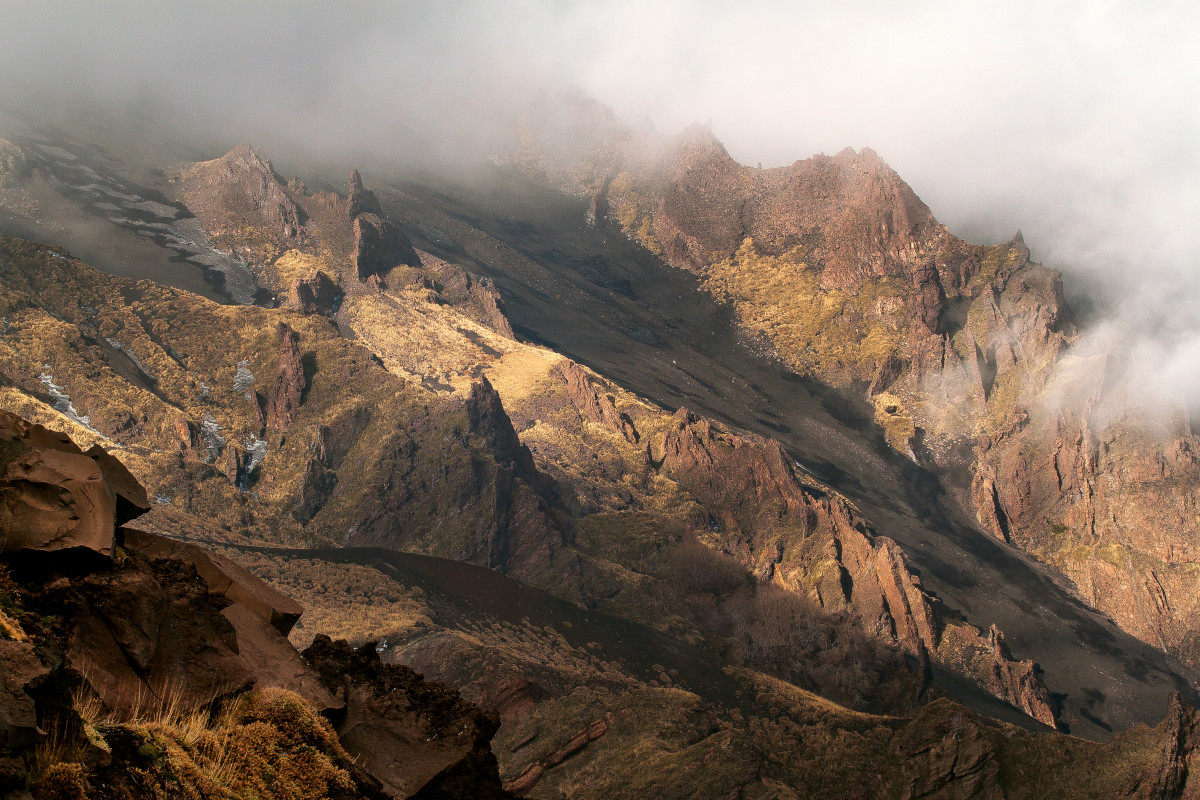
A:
<point x="1076" y="122"/>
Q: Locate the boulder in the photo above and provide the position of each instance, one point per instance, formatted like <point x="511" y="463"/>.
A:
<point x="53" y="496"/>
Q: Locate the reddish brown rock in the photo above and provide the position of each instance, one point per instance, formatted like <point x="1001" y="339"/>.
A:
<point x="477" y="297"/>
<point x="1180" y="752"/>
<point x="20" y="670"/>
<point x="487" y="420"/>
<point x="379" y="245"/>
<point x="153" y="631"/>
<point x="54" y="496"/>
<point x="360" y="199"/>
<point x="317" y="483"/>
<point x="570" y="748"/>
<point x="855" y="215"/>
<point x="928" y="297"/>
<point x="188" y="435"/>
<point x="593" y="404"/>
<point x="222" y="577"/>
<point x="287" y="392"/>
<point x="1018" y="683"/>
<point x="240" y="190"/>
<point x="597" y="729"/>
<point x="318" y="294"/>
<point x="753" y="482"/>
<point x="511" y="698"/>
<point x="528" y="778"/>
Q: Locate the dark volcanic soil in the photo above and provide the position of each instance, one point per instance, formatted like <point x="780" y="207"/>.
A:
<point x="598" y="298"/>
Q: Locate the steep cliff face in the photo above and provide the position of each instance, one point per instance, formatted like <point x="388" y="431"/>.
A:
<point x="1111" y="504"/>
<point x="854" y="215"/>
<point x="963" y="349"/>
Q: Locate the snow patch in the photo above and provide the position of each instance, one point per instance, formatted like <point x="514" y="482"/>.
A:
<point x="210" y="431"/>
<point x="243" y="378"/>
<point x="62" y="400"/>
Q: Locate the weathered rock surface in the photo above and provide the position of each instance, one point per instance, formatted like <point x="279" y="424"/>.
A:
<point x="167" y="626"/>
<point x="593" y="403"/>
<point x="239" y="190"/>
<point x="20" y="671"/>
<point x="417" y="738"/>
<point x="287" y="392"/>
<point x="222" y="577"/>
<point x="770" y="522"/>
<point x="970" y="342"/>
<point x="1018" y="683"/>
<point x="54" y="496"/>
<point x="379" y="245"/>
<point x="318" y="294"/>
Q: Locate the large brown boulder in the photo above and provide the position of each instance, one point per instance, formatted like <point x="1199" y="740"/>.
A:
<point x="222" y="577"/>
<point x="53" y="496"/>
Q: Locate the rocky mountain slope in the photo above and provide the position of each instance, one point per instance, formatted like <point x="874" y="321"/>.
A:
<point x="394" y="396"/>
<point x="142" y="666"/>
<point x="313" y="468"/>
<point x="964" y="351"/>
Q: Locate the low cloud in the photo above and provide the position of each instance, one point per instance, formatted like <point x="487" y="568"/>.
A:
<point x="1076" y="122"/>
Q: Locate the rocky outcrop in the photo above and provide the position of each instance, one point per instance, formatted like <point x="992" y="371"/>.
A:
<point x="287" y="392"/>
<point x="240" y="190"/>
<point x="487" y="420"/>
<point x="317" y="483"/>
<point x="329" y="449"/>
<point x="523" y="783"/>
<point x="852" y="212"/>
<point x="757" y="504"/>
<point x="223" y="577"/>
<point x="360" y="199"/>
<point x="929" y="299"/>
<point x="53" y="496"/>
<point x="1019" y="684"/>
<point x="521" y="534"/>
<point x="1180" y="753"/>
<point x="477" y="297"/>
<point x="947" y="753"/>
<point x="379" y="245"/>
<point x="175" y="618"/>
<point x="21" y="672"/>
<point x="416" y="738"/>
<point x="593" y="403"/>
<point x="318" y="294"/>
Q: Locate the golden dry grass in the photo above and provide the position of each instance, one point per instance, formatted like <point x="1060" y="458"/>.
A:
<point x="839" y="336"/>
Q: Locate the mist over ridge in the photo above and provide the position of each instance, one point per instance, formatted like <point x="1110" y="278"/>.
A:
<point x="1075" y="122"/>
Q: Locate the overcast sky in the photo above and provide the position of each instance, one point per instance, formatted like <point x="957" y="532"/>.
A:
<point x="1077" y="122"/>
